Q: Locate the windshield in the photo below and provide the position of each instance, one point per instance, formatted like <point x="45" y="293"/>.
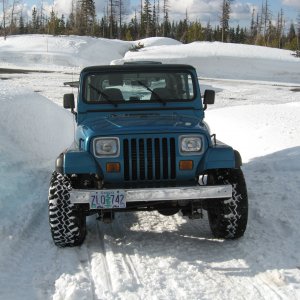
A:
<point x="139" y="87"/>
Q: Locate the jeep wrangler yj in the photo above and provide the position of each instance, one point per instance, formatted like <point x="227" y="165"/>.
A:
<point x="141" y="144"/>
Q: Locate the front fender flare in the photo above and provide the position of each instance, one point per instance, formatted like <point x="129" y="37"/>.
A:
<point x="77" y="162"/>
<point x="220" y="157"/>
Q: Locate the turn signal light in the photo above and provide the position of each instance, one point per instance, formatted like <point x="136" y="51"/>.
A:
<point x="113" y="167"/>
<point x="186" y="165"/>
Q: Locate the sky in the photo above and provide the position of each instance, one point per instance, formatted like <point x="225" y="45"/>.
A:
<point x="203" y="10"/>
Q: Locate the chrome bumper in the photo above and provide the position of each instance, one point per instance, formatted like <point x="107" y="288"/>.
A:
<point x="161" y="194"/>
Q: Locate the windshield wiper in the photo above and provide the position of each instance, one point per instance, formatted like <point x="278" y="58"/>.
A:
<point x="104" y="95"/>
<point x="154" y="93"/>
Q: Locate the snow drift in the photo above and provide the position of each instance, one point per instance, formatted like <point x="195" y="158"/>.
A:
<point x="212" y="60"/>
<point x="231" y="61"/>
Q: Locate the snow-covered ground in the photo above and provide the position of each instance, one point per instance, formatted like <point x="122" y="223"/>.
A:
<point x="146" y="255"/>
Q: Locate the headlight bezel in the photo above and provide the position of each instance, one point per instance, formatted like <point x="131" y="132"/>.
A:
<point x="103" y="155"/>
<point x="191" y="136"/>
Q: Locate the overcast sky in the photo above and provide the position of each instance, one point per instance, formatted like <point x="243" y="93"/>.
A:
<point x="202" y="10"/>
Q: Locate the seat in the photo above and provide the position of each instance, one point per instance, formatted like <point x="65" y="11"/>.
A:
<point x="114" y="94"/>
<point x="163" y="93"/>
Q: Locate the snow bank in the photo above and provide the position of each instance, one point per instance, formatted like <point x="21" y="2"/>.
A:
<point x="34" y="124"/>
<point x="257" y="130"/>
<point x="53" y="52"/>
<point x="157" y="41"/>
<point x="231" y="61"/>
<point x="212" y="60"/>
<point x="33" y="131"/>
<point x="58" y="52"/>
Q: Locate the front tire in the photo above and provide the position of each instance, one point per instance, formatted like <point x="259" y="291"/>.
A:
<point x="228" y="218"/>
<point x="67" y="224"/>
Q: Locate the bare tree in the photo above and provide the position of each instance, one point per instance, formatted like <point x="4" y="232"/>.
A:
<point x="267" y="21"/>
<point x="280" y="27"/>
<point x="298" y="32"/>
<point x="4" y="18"/>
<point x="112" y="15"/>
<point x="122" y="10"/>
<point x="14" y="14"/>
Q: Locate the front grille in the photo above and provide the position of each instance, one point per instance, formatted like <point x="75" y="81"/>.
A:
<point x="149" y="159"/>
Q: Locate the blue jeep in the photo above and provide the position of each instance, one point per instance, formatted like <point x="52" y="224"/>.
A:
<point x="141" y="145"/>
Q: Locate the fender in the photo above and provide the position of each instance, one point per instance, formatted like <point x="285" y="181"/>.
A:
<point x="77" y="162"/>
<point x="220" y="156"/>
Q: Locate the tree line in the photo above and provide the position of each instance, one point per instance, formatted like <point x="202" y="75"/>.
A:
<point x="150" y="19"/>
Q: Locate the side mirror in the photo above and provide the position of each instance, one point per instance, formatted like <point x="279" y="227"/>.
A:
<point x="69" y="102"/>
<point x="209" y="98"/>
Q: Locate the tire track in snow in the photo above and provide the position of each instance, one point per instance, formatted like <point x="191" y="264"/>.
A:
<point x="99" y="267"/>
<point x="127" y="261"/>
<point x="264" y="282"/>
<point x="112" y="270"/>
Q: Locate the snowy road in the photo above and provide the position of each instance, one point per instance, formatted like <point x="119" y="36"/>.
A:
<point x="146" y="255"/>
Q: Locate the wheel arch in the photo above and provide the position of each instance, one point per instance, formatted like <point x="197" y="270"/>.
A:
<point x="77" y="162"/>
<point x="220" y="156"/>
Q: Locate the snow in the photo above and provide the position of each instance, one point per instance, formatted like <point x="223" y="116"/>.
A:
<point x="44" y="52"/>
<point x="231" y="61"/>
<point x="146" y="255"/>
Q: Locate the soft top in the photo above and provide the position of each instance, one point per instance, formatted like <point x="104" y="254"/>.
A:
<point x="139" y="66"/>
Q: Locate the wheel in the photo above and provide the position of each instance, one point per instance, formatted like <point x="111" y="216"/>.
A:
<point x="67" y="224"/>
<point x="228" y="218"/>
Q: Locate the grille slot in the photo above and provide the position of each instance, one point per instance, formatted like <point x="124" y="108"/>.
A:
<point x="149" y="159"/>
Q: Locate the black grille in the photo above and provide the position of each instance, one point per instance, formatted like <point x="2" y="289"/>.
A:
<point x="149" y="159"/>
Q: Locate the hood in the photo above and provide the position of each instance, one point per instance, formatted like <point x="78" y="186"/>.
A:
<point x="139" y="123"/>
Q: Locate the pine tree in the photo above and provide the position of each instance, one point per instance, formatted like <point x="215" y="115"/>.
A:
<point x="208" y="32"/>
<point x="71" y="21"/>
<point x="298" y="32"/>
<point x="21" y="24"/>
<point x="188" y="34"/>
<point x="166" y="23"/>
<point x="224" y="19"/>
<point x="35" y="20"/>
<point x="52" y="23"/>
<point x="147" y="19"/>
<point x="154" y="19"/>
<point x="253" y="28"/>
<point x="134" y="27"/>
<point x="87" y="16"/>
<point x="61" y="25"/>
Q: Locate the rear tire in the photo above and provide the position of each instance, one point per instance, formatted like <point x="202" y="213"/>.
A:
<point x="67" y="224"/>
<point x="228" y="218"/>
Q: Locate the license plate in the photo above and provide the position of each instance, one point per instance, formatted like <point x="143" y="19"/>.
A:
<point x="107" y="199"/>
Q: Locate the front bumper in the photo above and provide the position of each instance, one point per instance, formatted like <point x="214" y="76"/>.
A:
<point x="161" y="194"/>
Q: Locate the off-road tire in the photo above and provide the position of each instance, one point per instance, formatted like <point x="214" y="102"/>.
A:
<point x="228" y="218"/>
<point x="67" y="223"/>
